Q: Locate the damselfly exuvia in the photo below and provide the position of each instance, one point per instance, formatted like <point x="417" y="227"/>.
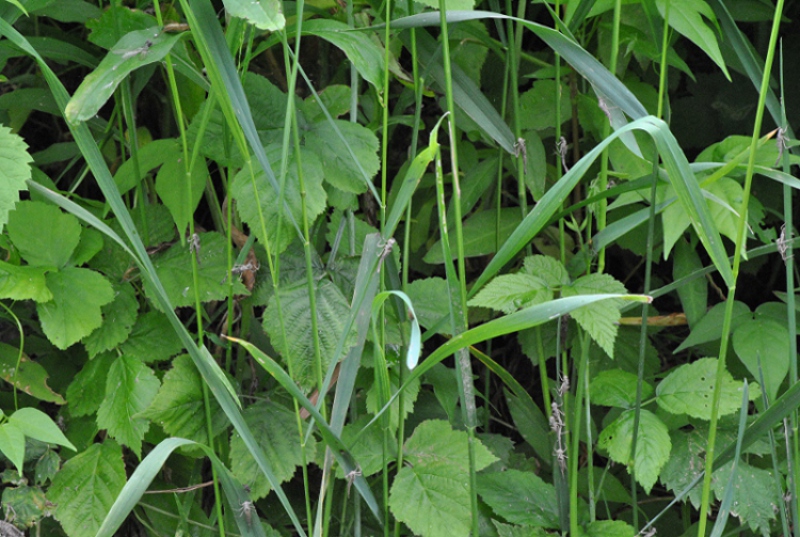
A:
<point x="130" y="53"/>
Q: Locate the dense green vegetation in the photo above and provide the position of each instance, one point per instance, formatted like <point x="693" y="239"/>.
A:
<point x="398" y="268"/>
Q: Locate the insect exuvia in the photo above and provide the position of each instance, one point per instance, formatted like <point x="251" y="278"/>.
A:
<point x="130" y="53"/>
<point x="246" y="510"/>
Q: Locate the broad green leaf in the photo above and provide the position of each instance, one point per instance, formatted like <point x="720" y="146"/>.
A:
<point x="763" y="346"/>
<point x="15" y="169"/>
<point x="510" y="292"/>
<point x="549" y="270"/>
<point x="275" y="429"/>
<point x="709" y="328"/>
<point x="366" y="55"/>
<point x="12" y="444"/>
<point x="617" y="388"/>
<point x="134" y="50"/>
<point x="88" y="389"/>
<point x="537" y="110"/>
<point x="152" y="339"/>
<point x="90" y="244"/>
<point x="507" y="530"/>
<point x="85" y="488"/>
<point x="431" y="494"/>
<point x="150" y="156"/>
<point x="535" y="161"/>
<point x="119" y="317"/>
<point x="410" y="396"/>
<point x="367" y="447"/>
<point x="74" y="312"/>
<point x="430" y="299"/>
<point x="598" y="319"/>
<point x="261" y="208"/>
<point x="174" y="269"/>
<point x="30" y="377"/>
<point x="178" y="407"/>
<point x="24" y="282"/>
<point x="179" y="192"/>
<point x="43" y="234"/>
<point x="130" y="388"/>
<point x="689" y="389"/>
<point x="479" y="234"/>
<point x="339" y="168"/>
<point x="531" y="424"/>
<point x="263" y="14"/>
<point x="296" y="345"/>
<point x="520" y="498"/>
<point x="335" y="97"/>
<point x="607" y="528"/>
<point x="652" y="446"/>
<point x="754" y="497"/>
<point x="686" y="17"/>
<point x="694" y="294"/>
<point x="434" y="441"/>
<point x="39" y="426"/>
<point x="28" y="505"/>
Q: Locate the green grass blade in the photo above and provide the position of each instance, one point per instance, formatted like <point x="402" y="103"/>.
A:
<point x="340" y="451"/>
<point x="151" y="466"/>
<point x="200" y="356"/>
<point x="683" y="180"/>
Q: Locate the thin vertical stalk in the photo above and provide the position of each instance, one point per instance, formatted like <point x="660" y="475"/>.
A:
<point x="648" y="269"/>
<point x="603" y="178"/>
<point x="793" y="455"/>
<point x="741" y="237"/>
<point x="574" y="455"/>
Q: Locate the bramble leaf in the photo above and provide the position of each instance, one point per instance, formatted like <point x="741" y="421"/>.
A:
<point x="511" y="292"/>
<point x="652" y="447"/>
<point x="43" y="234"/>
<point x="275" y="429"/>
<point x="15" y="169"/>
<point x="30" y="377"/>
<point x="74" y="312"/>
<point x="520" y="498"/>
<point x="24" y="282"/>
<point x="86" y="487"/>
<point x="130" y="388"/>
<point x="763" y="347"/>
<point x="617" y="388"/>
<point x="179" y="407"/>
<point x="339" y="168"/>
<point x="689" y="389"/>
<point x="119" y="317"/>
<point x="297" y="345"/>
<point x="598" y="319"/>
<point x="88" y="389"/>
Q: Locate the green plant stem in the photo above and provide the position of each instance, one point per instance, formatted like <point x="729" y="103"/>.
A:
<point x="575" y="433"/>
<point x="741" y="229"/>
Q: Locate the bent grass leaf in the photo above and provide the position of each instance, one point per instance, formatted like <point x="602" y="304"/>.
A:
<point x="431" y="494"/>
<point x="179" y="408"/>
<point x="689" y="389"/>
<point x="520" y="498"/>
<point x="74" y="312"/>
<point x="43" y="234"/>
<point x="130" y="388"/>
<point x="652" y="446"/>
<point x="511" y="292"/>
<point x="15" y="170"/>
<point x="364" y="53"/>
<point x="275" y="428"/>
<point x="599" y="319"/>
<point x="30" y="377"/>
<point x="84" y="490"/>
<point x="135" y="49"/>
